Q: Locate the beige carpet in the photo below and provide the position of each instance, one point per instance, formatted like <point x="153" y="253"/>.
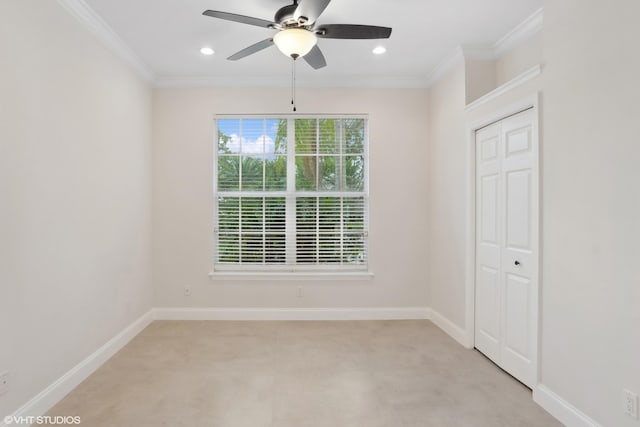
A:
<point x="300" y="374"/>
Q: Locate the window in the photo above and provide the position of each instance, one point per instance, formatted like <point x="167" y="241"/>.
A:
<point x="291" y="194"/>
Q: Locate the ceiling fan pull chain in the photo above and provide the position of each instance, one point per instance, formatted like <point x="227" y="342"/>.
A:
<point x="293" y="84"/>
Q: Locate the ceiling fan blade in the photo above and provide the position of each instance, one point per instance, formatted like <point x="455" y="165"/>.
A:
<point x="348" y="31"/>
<point x="239" y="18"/>
<point x="315" y="58"/>
<point x="251" y="49"/>
<point x="310" y="10"/>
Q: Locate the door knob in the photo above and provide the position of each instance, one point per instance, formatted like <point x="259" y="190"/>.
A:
<point x="517" y="262"/>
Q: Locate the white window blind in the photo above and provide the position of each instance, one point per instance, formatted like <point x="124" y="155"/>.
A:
<point x="291" y="194"/>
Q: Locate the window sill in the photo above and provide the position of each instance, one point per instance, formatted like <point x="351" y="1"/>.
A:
<point x="285" y="276"/>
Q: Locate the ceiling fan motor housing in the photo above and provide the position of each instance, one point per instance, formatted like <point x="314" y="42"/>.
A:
<point x="284" y="16"/>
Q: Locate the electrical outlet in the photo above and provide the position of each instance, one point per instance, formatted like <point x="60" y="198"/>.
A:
<point x="630" y="404"/>
<point x="299" y="291"/>
<point x="187" y="291"/>
<point x="4" y="382"/>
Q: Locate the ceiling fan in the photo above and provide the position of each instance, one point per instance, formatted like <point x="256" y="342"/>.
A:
<point x="297" y="34"/>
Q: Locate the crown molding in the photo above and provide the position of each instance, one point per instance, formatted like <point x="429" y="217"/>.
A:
<point x="80" y="10"/>
<point x="524" y="31"/>
<point x="521" y="33"/>
<point x="348" y="82"/>
<point x="514" y="38"/>
<point x="216" y="82"/>
<point x="454" y="58"/>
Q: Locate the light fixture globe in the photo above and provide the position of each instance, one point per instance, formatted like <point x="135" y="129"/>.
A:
<point x="295" y="42"/>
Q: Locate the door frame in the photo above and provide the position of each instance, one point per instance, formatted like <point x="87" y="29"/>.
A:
<point x="529" y="102"/>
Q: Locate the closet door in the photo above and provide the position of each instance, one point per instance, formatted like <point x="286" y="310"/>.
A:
<point x="506" y="245"/>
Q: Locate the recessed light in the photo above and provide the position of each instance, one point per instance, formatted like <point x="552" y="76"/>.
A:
<point x="207" y="51"/>
<point x="379" y="50"/>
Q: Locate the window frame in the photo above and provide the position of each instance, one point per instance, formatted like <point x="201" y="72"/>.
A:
<point x="293" y="271"/>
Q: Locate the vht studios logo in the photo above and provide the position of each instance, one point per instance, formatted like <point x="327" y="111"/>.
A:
<point x="44" y="419"/>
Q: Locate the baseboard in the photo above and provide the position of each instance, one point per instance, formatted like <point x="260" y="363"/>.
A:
<point x="453" y="330"/>
<point x="51" y="395"/>
<point x="369" y="313"/>
<point x="564" y="411"/>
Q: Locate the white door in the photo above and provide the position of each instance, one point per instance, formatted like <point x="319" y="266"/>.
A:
<point x="506" y="245"/>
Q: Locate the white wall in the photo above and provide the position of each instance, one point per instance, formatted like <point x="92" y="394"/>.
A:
<point x="483" y="76"/>
<point x="591" y="210"/>
<point x="480" y="78"/>
<point x="183" y="204"/>
<point x="75" y="196"/>
<point x="446" y="183"/>
<point x="519" y="59"/>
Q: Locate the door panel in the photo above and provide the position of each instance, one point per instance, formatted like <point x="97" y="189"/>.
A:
<point x="489" y="149"/>
<point x="519" y="252"/>
<point x="488" y="312"/>
<point x="517" y="315"/>
<point x="488" y="250"/>
<point x="489" y="207"/>
<point x="518" y="140"/>
<point x="518" y="215"/>
<point x="518" y="344"/>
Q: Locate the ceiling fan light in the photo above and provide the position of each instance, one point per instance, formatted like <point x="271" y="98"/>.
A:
<point x="295" y="42"/>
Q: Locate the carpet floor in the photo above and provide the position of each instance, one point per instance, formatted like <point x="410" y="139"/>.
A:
<point x="300" y="374"/>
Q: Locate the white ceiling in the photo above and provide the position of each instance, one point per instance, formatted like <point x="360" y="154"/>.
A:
<point x="168" y="34"/>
